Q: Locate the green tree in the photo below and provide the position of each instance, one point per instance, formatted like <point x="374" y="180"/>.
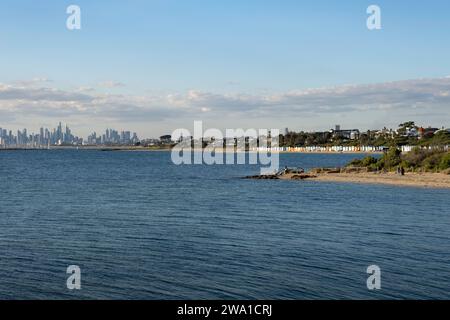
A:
<point x="403" y="126"/>
<point x="390" y="159"/>
<point x="445" y="162"/>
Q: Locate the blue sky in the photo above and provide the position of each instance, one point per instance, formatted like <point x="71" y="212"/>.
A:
<point x="145" y="53"/>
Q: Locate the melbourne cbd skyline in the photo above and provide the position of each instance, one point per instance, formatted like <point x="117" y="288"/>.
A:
<point x="159" y="65"/>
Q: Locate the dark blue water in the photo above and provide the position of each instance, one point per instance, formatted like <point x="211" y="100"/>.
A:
<point x="142" y="228"/>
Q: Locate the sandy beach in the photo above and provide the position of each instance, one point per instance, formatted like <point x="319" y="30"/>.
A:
<point x="424" y="180"/>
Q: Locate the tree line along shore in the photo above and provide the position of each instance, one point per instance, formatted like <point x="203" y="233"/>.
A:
<point x="418" y="160"/>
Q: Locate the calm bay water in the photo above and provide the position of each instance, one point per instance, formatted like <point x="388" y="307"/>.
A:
<point x="140" y="227"/>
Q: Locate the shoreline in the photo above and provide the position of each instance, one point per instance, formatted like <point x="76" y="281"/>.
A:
<point x="143" y="149"/>
<point x="422" y="180"/>
<point x="84" y="148"/>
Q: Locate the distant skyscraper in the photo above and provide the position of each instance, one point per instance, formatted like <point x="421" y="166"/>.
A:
<point x="60" y="136"/>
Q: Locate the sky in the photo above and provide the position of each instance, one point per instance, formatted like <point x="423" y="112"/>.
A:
<point x="157" y="65"/>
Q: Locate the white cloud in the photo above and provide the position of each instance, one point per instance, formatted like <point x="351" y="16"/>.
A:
<point x="427" y="100"/>
<point x="111" y="84"/>
<point x="37" y="81"/>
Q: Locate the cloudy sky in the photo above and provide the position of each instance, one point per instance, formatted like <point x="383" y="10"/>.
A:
<point x="154" y="66"/>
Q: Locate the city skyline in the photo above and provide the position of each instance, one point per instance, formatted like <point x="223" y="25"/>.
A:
<point x="63" y="135"/>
